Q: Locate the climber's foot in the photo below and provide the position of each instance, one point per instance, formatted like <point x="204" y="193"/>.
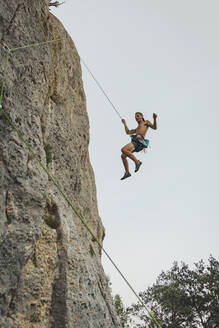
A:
<point x="137" y="166"/>
<point x="126" y="175"/>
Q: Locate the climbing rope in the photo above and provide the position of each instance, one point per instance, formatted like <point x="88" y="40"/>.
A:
<point x="100" y="87"/>
<point x="34" y="45"/>
<point x="8" y="50"/>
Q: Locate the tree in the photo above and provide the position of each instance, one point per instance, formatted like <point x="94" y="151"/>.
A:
<point x="122" y="313"/>
<point x="182" y="298"/>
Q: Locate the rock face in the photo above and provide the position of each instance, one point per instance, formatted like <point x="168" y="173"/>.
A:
<point x="50" y="268"/>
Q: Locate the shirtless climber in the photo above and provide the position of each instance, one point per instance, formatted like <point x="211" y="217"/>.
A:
<point x="138" y="142"/>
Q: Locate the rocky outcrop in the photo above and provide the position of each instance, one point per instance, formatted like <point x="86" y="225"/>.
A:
<point x="50" y="268"/>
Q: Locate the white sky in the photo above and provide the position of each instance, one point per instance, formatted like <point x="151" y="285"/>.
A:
<point x="152" y="56"/>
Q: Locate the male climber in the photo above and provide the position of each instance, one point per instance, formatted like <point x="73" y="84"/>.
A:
<point x="138" y="142"/>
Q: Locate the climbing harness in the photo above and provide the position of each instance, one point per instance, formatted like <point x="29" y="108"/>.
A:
<point x="150" y="314"/>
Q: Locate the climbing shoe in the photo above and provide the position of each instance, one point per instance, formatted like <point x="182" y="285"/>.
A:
<point x="126" y="175"/>
<point x="137" y="166"/>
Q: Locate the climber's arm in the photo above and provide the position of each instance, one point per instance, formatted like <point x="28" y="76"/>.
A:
<point x="154" y="125"/>
<point x="127" y="129"/>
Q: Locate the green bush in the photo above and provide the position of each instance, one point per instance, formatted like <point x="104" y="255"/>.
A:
<point x="48" y="151"/>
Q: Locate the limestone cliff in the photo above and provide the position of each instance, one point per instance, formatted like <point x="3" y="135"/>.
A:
<point x="50" y="268"/>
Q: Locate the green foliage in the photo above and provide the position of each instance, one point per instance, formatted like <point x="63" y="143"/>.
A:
<point x="51" y="216"/>
<point x="182" y="298"/>
<point x="92" y="253"/>
<point x="51" y="221"/>
<point x="104" y="235"/>
<point x="122" y="313"/>
<point x="48" y="151"/>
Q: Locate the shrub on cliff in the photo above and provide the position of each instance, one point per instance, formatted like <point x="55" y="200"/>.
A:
<point x="55" y="3"/>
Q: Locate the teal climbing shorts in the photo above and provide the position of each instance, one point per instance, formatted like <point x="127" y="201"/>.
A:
<point x="139" y="142"/>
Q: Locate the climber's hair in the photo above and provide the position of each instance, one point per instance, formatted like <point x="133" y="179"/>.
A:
<point x="141" y="115"/>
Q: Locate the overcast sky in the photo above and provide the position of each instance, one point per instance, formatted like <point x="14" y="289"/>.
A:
<point x="152" y="56"/>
